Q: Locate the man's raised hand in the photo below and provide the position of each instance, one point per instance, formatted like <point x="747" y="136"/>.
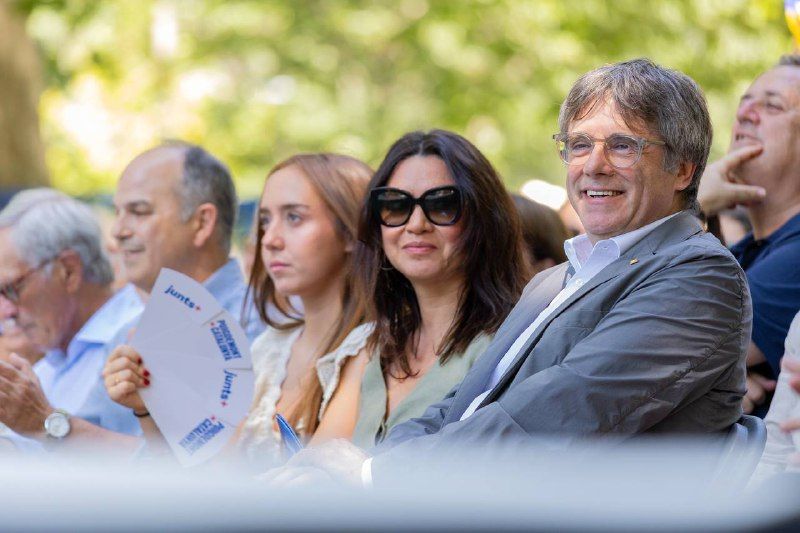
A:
<point x="720" y="187"/>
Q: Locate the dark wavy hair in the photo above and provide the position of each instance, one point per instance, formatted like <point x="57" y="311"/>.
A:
<point x="494" y="264"/>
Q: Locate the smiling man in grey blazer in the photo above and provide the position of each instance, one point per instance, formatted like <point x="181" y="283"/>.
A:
<point x="644" y="329"/>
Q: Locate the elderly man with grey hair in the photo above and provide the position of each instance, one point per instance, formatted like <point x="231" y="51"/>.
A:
<point x="56" y="284"/>
<point x="176" y="207"/>
<point x="643" y="330"/>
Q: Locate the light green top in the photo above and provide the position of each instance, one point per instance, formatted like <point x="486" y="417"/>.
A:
<point x="373" y="425"/>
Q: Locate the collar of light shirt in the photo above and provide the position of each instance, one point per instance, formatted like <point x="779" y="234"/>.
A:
<point x="580" y="250"/>
<point x="101" y="328"/>
<point x="229" y="287"/>
<point x="225" y="278"/>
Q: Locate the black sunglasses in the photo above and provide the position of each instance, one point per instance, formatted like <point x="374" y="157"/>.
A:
<point x="441" y="206"/>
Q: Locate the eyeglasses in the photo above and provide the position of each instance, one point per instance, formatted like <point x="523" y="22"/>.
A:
<point x="621" y="151"/>
<point x="441" y="206"/>
<point x="10" y="291"/>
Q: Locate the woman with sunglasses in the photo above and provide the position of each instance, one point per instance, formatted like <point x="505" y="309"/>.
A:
<point x="307" y="220"/>
<point x="441" y="264"/>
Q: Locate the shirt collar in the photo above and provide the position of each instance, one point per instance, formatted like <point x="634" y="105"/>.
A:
<point x="227" y="276"/>
<point x="580" y="248"/>
<point x="103" y="326"/>
<point x="790" y="229"/>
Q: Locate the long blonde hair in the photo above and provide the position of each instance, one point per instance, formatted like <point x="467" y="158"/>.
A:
<point x="341" y="181"/>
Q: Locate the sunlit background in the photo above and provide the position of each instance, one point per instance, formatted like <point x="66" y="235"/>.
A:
<point x="255" y="81"/>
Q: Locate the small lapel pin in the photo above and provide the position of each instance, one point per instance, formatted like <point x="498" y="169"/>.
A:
<point x="634" y="261"/>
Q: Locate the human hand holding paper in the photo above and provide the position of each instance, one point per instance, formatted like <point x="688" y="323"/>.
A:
<point x="200" y="359"/>
<point x="124" y="374"/>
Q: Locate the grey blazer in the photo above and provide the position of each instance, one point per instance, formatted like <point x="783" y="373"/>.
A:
<point x="655" y="342"/>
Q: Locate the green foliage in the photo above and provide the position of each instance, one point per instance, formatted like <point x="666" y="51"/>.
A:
<point x="255" y="81"/>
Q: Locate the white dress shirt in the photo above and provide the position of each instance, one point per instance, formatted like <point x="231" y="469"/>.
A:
<point x="587" y="260"/>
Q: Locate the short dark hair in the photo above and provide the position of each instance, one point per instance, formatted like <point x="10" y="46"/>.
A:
<point x="543" y="231"/>
<point x="493" y="264"/>
<point x="668" y="102"/>
<point x="206" y="179"/>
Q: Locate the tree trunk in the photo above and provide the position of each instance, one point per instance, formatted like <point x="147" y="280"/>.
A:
<point x="21" y="151"/>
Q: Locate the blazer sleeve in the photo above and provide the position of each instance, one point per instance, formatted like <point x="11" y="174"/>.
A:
<point x="665" y="342"/>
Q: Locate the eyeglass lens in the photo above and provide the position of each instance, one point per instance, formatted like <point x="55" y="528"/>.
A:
<point x="441" y="206"/>
<point x="622" y="151"/>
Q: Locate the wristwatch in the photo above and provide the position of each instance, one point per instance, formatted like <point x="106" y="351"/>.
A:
<point x="57" y="424"/>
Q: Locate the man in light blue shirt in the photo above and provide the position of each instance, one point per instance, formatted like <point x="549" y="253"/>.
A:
<point x="64" y="375"/>
<point x="176" y="207"/>
<point x="56" y="284"/>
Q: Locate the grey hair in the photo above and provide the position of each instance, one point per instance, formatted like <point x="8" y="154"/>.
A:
<point x="45" y="222"/>
<point x="789" y="60"/>
<point x="667" y="102"/>
<point x="207" y="180"/>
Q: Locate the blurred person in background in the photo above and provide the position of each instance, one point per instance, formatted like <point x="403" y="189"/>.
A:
<point x="644" y="330"/>
<point x="307" y="221"/>
<point x="734" y="225"/>
<point x="250" y="249"/>
<point x="175" y="208"/>
<point x="106" y="219"/>
<point x="441" y="264"/>
<point x="760" y="172"/>
<point x="56" y="285"/>
<point x="12" y="338"/>
<point x="782" y="452"/>
<point x="9" y="440"/>
<point x="543" y="232"/>
<point x="570" y="219"/>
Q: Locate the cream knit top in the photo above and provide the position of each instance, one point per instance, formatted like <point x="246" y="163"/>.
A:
<point x="259" y="441"/>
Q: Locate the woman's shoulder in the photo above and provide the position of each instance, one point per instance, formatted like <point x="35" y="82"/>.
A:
<point x="329" y="366"/>
<point x="273" y="343"/>
<point x="352" y="345"/>
<point x="476" y="348"/>
<point x="355" y="340"/>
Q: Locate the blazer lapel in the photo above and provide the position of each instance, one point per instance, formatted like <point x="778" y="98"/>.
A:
<point x="610" y="272"/>
<point x="680" y="228"/>
<point x="519" y="319"/>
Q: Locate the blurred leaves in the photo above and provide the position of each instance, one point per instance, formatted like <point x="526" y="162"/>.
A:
<point x="255" y="81"/>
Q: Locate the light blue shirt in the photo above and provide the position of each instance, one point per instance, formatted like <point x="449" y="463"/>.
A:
<point x="72" y="381"/>
<point x="22" y="444"/>
<point x="228" y="287"/>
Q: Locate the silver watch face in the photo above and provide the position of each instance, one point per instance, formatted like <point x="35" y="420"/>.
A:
<point x="57" y="425"/>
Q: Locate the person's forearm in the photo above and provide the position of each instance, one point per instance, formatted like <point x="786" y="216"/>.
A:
<point x="84" y="436"/>
<point x="156" y="443"/>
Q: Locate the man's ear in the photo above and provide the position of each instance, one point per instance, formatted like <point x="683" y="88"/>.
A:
<point x="69" y="267"/>
<point x="205" y="222"/>
<point x="684" y="175"/>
